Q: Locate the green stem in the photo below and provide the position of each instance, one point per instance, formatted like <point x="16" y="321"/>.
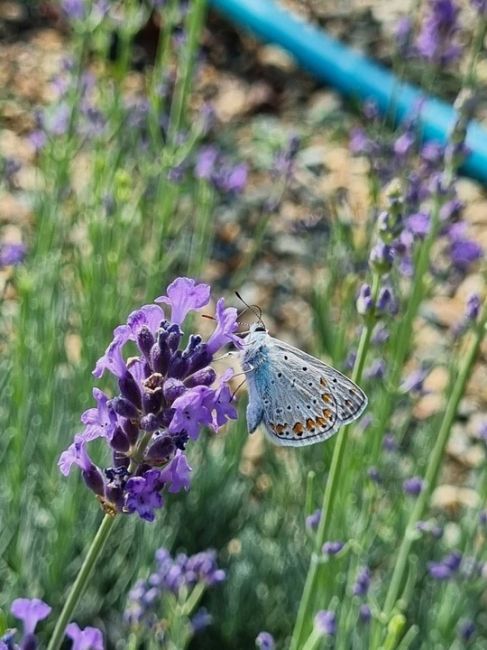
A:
<point x="331" y="489"/>
<point x="185" y="75"/>
<point x="81" y="581"/>
<point x="434" y="466"/>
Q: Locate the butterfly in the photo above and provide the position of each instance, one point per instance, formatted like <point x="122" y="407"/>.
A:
<point x="299" y="399"/>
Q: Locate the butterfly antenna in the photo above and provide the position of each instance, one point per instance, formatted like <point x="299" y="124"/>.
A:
<point x="253" y="308"/>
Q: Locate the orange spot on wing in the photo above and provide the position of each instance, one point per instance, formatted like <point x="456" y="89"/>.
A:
<point x="321" y="422"/>
<point x="279" y="429"/>
<point x="298" y="428"/>
<point x="327" y="414"/>
<point x="310" y="424"/>
<point x="326" y="397"/>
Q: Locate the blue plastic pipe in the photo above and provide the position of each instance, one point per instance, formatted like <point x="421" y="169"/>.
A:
<point x="355" y="75"/>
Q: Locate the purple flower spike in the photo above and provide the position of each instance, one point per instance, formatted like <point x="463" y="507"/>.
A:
<point x="325" y="622"/>
<point x="166" y="394"/>
<point x="184" y="295"/>
<point x="226" y="328"/>
<point x="265" y="641"/>
<point x="88" y="639"/>
<point x="30" y="611"/>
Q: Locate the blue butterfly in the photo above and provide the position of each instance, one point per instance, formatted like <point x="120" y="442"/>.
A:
<point x="299" y="399"/>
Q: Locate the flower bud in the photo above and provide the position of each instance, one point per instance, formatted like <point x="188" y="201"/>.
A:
<point x="131" y="430"/>
<point x="152" y="400"/>
<point x="173" y="388"/>
<point x="145" y="340"/>
<point x="130" y="389"/>
<point x="204" y="377"/>
<point x="178" y="365"/>
<point x="365" y="303"/>
<point x="94" y="480"/>
<point x="199" y="358"/>
<point x="124" y="408"/>
<point x="381" y="257"/>
<point x="119" y="440"/>
<point x="161" y="449"/>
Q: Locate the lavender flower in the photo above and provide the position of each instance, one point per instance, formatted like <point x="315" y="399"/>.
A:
<point x="88" y="639"/>
<point x="413" y="486"/>
<point x="332" y="548"/>
<point x="362" y="583"/>
<point x="466" y="630"/>
<point x="436" y="41"/>
<point x="365" y="302"/>
<point x="215" y="168"/>
<point x="30" y="611"/>
<point x="167" y="395"/>
<point x="173" y="576"/>
<point x="325" y="623"/>
<point x="364" y="613"/>
<point x="313" y="520"/>
<point x="12" y="254"/>
<point x="74" y="9"/>
<point x="265" y="641"/>
<point x="447" y="567"/>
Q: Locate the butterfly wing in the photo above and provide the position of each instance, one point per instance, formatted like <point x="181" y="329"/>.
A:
<point x="350" y="399"/>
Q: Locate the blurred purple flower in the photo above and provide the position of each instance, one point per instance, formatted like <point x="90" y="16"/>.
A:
<point x="404" y="144"/>
<point x="376" y="370"/>
<point x="74" y="9"/>
<point x="413" y="486"/>
<point x="332" y="548"/>
<point x="365" y="304"/>
<point x="436" y="40"/>
<point x="146" y="598"/>
<point x="362" y="583"/>
<point x="480" y="6"/>
<point x="12" y="254"/>
<point x="473" y="307"/>
<point x="364" y="613"/>
<point x="389" y="443"/>
<point x="466" y="630"/>
<point x="265" y="641"/>
<point x="419" y="224"/>
<point x="414" y="381"/>
<point x="313" y="520"/>
<point x="325" y="623"/>
<point x="205" y="162"/>
<point x="402" y="33"/>
<point x="201" y="620"/>
<point x="88" y="639"/>
<point x="439" y="571"/>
